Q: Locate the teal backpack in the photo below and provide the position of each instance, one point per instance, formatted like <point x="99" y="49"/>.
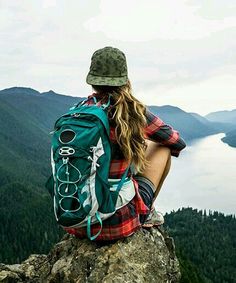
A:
<point x="80" y="159"/>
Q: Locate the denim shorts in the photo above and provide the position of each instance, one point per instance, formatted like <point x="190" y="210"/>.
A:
<point x="146" y="191"/>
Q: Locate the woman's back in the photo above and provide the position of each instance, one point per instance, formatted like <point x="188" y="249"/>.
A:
<point x="131" y="124"/>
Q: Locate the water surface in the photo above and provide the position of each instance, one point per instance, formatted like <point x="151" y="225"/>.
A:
<point x="203" y="177"/>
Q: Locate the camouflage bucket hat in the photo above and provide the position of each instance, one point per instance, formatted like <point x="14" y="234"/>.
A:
<point x="108" y="67"/>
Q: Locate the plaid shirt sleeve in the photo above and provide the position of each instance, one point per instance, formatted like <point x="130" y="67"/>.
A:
<point x="157" y="131"/>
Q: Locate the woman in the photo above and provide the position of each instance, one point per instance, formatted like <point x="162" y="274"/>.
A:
<point x="137" y="136"/>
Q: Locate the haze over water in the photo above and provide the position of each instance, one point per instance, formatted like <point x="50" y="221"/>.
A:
<point x="203" y="177"/>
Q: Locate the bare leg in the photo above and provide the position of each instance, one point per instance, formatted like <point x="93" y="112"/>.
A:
<point x="159" y="158"/>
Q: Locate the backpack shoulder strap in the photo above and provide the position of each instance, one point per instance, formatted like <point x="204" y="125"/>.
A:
<point x="82" y="102"/>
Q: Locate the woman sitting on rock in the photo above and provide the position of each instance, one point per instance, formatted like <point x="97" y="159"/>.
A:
<point x="138" y="137"/>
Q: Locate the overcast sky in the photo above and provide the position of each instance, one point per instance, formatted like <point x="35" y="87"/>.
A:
<point x="179" y="52"/>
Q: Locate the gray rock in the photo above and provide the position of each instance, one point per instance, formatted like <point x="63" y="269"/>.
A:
<point x="147" y="256"/>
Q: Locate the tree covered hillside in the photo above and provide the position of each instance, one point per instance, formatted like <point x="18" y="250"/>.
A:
<point x="204" y="242"/>
<point x="27" y="221"/>
<point x="230" y="138"/>
<point x="189" y="125"/>
<point x="228" y="117"/>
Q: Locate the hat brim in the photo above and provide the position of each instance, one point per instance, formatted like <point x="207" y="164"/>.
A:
<point x="108" y="81"/>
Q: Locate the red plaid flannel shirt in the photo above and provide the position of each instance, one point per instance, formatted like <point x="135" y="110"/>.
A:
<point x="125" y="221"/>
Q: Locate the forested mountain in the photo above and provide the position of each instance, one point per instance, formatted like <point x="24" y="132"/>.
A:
<point x="230" y="138"/>
<point x="219" y="126"/>
<point x="228" y="116"/>
<point x="26" y="118"/>
<point x="206" y="245"/>
<point x="41" y="108"/>
<point x="189" y="125"/>
<point x="27" y="220"/>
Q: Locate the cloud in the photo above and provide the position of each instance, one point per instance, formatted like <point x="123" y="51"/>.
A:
<point x="214" y="9"/>
<point x="169" y="44"/>
<point x="139" y="20"/>
<point x="203" y="97"/>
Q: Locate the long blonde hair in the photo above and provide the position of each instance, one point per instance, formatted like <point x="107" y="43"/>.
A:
<point x="128" y="113"/>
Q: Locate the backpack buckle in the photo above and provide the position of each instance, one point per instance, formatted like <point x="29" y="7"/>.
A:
<point x="66" y="150"/>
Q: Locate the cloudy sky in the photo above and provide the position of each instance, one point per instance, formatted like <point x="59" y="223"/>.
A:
<point x="179" y="52"/>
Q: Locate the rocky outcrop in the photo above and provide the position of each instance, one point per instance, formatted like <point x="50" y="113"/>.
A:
<point x="147" y="256"/>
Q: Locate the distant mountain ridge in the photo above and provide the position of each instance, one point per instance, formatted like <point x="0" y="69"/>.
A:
<point x="219" y="126"/>
<point x="20" y="90"/>
<point x="228" y="117"/>
<point x="50" y="105"/>
<point x="190" y="125"/>
<point x="43" y="107"/>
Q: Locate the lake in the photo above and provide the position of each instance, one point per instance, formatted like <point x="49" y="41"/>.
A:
<point x="203" y="177"/>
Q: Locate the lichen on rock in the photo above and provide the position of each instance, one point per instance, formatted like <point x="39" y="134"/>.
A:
<point x="147" y="256"/>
